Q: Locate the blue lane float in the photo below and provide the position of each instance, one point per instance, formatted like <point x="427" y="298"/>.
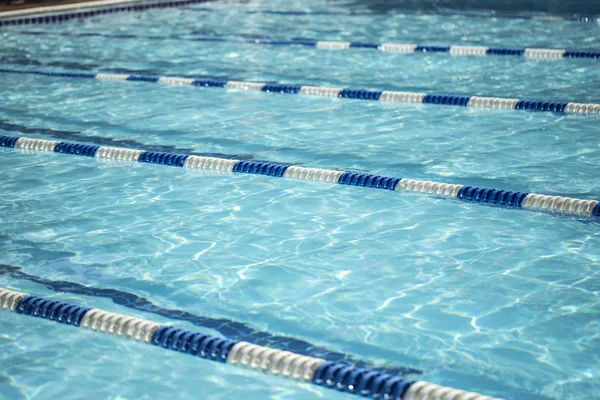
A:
<point x="346" y="93"/>
<point x="558" y="205"/>
<point x="402" y="48"/>
<point x="327" y="374"/>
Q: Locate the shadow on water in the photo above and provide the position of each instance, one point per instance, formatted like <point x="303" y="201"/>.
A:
<point x="102" y="141"/>
<point x="231" y="329"/>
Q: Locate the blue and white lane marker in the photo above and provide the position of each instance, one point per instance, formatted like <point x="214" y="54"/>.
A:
<point x="471" y="194"/>
<point x="328" y="374"/>
<point x="49" y="17"/>
<point x="357" y="94"/>
<point x="411" y="48"/>
<point x="400" y="48"/>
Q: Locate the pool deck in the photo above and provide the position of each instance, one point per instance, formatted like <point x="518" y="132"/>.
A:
<point x="15" y="6"/>
<point x="38" y="7"/>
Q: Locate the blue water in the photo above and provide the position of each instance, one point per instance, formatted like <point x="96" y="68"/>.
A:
<point x="503" y="302"/>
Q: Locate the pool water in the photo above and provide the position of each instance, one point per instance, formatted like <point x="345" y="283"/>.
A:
<point x="498" y="301"/>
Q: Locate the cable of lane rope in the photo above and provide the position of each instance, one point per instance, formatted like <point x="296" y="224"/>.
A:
<point x="328" y="374"/>
<point x="356" y="94"/>
<point x="558" y="205"/>
<point x="398" y="48"/>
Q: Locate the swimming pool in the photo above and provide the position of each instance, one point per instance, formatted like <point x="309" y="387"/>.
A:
<point x="493" y="300"/>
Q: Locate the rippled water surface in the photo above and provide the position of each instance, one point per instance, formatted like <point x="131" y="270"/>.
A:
<point x="499" y="301"/>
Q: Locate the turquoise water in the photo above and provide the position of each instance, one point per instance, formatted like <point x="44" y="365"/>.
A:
<point x="499" y="301"/>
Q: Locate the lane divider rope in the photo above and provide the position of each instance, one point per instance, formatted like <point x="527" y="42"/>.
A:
<point x="7" y="19"/>
<point x="357" y="94"/>
<point x="419" y="13"/>
<point x="471" y="194"/>
<point x="328" y="374"/>
<point x="400" y="48"/>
